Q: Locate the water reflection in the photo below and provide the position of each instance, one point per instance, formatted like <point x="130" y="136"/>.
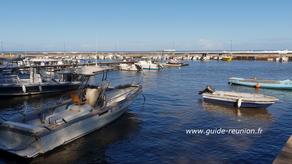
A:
<point x="260" y="114"/>
<point x="88" y="149"/>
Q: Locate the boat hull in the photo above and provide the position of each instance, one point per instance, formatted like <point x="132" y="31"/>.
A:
<point x="152" y="68"/>
<point x="234" y="104"/>
<point x="29" y="146"/>
<point x="175" y="64"/>
<point x="285" y="85"/>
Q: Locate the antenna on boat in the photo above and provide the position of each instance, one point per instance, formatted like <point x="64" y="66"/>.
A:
<point x="2" y="51"/>
<point x="96" y="50"/>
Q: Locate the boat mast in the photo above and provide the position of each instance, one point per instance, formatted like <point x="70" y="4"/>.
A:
<point x="231" y="47"/>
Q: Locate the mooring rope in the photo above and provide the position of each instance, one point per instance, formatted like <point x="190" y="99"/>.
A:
<point x="144" y="98"/>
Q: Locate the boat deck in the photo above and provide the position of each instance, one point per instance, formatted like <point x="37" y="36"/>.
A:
<point x="68" y="111"/>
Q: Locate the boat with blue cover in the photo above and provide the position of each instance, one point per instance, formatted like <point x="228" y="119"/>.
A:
<point x="237" y="99"/>
<point x="257" y="83"/>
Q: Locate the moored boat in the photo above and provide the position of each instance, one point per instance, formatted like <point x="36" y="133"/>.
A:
<point x="174" y="63"/>
<point x="31" y="134"/>
<point x="257" y="83"/>
<point x="37" y="83"/>
<point x="149" y="65"/>
<point x="237" y="99"/>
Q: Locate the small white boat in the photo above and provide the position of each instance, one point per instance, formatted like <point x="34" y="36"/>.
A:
<point x="237" y="99"/>
<point x="31" y="134"/>
<point x="129" y="67"/>
<point x="149" y="65"/>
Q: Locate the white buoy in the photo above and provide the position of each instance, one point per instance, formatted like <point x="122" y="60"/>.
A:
<point x="239" y="101"/>
<point x="23" y="89"/>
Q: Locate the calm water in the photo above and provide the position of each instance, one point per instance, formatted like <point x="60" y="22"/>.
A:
<point x="154" y="131"/>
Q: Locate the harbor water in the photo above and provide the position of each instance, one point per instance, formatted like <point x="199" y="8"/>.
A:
<point x="154" y="128"/>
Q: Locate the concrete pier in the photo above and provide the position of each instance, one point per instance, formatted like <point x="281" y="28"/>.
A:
<point x="285" y="156"/>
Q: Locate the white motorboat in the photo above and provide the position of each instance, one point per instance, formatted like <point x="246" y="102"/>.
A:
<point x="39" y="131"/>
<point x="149" y="65"/>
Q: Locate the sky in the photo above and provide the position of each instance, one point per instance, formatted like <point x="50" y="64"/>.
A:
<point x="142" y="25"/>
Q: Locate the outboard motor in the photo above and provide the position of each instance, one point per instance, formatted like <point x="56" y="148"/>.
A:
<point x="208" y="89"/>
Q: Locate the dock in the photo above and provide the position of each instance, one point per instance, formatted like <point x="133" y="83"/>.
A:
<point x="285" y="156"/>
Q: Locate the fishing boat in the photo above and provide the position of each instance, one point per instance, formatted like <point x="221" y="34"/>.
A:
<point x="37" y="83"/>
<point x="30" y="134"/>
<point x="149" y="65"/>
<point x="227" y="58"/>
<point x="237" y="99"/>
<point x="257" y="83"/>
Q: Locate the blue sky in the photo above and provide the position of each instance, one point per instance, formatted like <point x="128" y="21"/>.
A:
<point x="145" y="24"/>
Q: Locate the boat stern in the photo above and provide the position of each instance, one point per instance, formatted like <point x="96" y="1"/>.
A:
<point x="234" y="80"/>
<point x="20" y="139"/>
